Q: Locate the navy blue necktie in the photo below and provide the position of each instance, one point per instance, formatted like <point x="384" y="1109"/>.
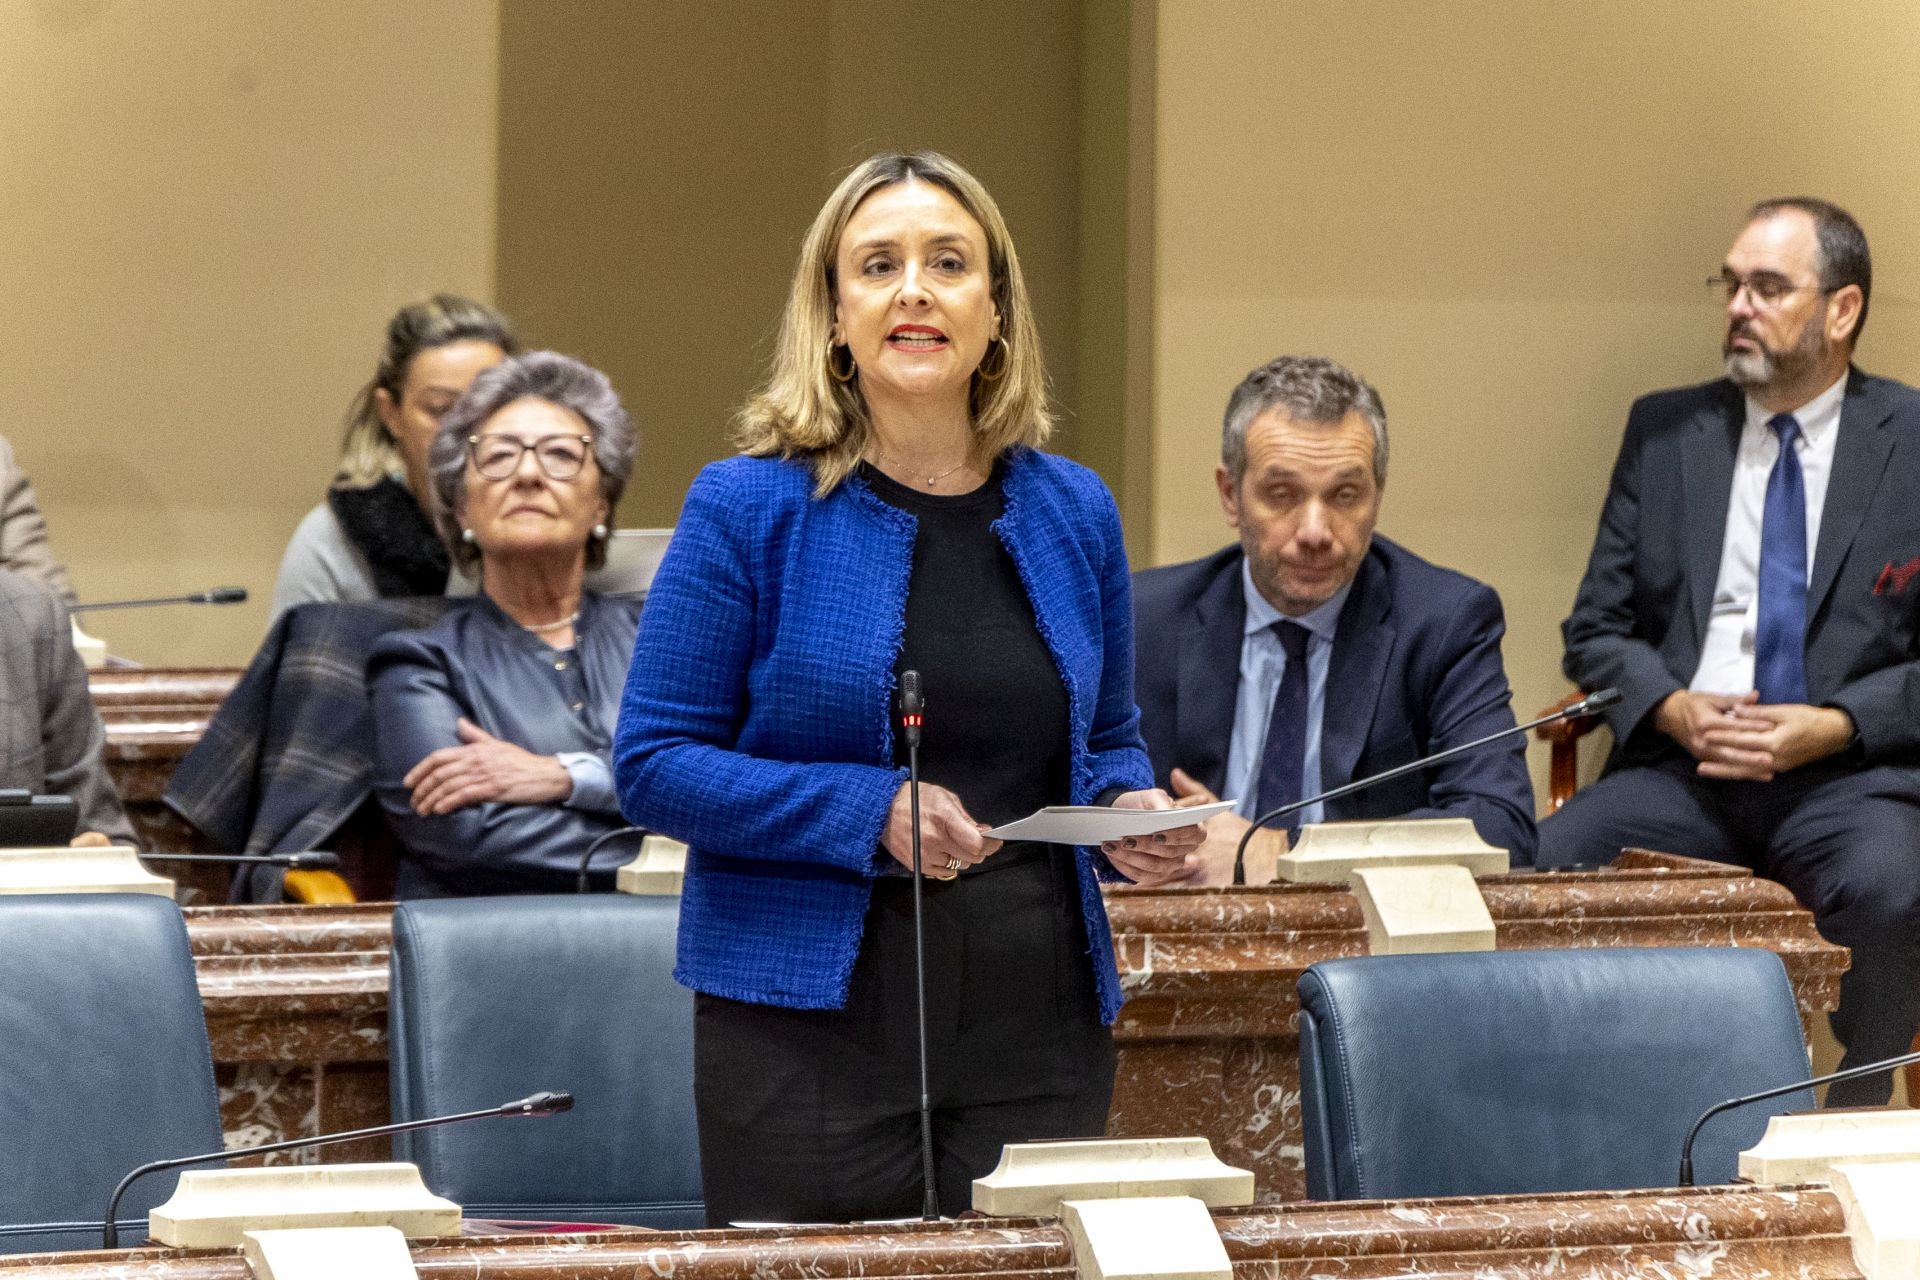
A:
<point x="1780" y="634"/>
<point x="1284" y="761"/>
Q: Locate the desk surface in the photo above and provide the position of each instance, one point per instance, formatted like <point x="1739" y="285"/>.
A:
<point x="1727" y="1233"/>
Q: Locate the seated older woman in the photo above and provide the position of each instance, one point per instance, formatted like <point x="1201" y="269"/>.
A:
<point x="493" y="726"/>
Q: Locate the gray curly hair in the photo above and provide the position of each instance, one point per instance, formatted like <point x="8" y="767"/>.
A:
<point x="537" y="375"/>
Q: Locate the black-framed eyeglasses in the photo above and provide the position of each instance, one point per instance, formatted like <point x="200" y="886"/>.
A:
<point x="498" y="456"/>
<point x="1764" y="287"/>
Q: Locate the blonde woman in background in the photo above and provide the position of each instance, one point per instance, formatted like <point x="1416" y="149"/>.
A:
<point x="372" y="537"/>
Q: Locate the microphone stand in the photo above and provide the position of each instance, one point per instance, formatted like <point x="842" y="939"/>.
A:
<point x="219" y="595"/>
<point x="580" y="880"/>
<point x="546" y="1103"/>
<point x="912" y="716"/>
<point x="1585" y="707"/>
<point x="1851" y="1073"/>
<point x="317" y="860"/>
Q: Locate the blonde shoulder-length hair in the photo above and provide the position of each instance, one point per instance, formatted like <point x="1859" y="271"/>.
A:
<point x="804" y="412"/>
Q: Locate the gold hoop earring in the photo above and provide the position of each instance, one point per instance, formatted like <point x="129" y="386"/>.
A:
<point x="1006" y="361"/>
<point x="833" y="368"/>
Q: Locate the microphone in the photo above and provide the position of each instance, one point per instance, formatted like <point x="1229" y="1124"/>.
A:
<point x="912" y="710"/>
<point x="1587" y="706"/>
<point x="912" y="716"/>
<point x="545" y="1103"/>
<point x="312" y="860"/>
<point x="1851" y="1073"/>
<point x="218" y="595"/>
<point x="580" y="880"/>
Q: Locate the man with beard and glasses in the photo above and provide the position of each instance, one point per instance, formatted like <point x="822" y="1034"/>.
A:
<point x="1313" y="651"/>
<point x="1751" y="592"/>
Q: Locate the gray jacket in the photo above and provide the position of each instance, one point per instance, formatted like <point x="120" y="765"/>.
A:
<point x="23" y="534"/>
<point x="51" y="739"/>
<point x="478" y="663"/>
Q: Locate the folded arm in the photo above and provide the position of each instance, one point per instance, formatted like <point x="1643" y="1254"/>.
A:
<point x="459" y="797"/>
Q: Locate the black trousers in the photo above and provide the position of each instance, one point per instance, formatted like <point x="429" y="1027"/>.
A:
<point x="1845" y="841"/>
<point x="812" y="1115"/>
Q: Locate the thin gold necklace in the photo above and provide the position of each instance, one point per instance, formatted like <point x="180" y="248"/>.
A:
<point x="934" y="480"/>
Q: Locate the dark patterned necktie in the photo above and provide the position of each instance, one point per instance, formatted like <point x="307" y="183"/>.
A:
<point x="1284" y="760"/>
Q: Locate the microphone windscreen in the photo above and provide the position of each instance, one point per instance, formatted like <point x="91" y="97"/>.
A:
<point x="545" y="1103"/>
<point x="227" y="595"/>
<point x="1601" y="699"/>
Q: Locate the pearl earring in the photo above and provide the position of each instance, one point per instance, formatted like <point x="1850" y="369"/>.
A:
<point x="466" y="536"/>
<point x="599" y="532"/>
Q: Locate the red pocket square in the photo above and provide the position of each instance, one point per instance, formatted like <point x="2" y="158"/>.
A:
<point x="1894" y="578"/>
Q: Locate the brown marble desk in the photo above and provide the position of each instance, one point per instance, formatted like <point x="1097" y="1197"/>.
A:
<point x="296" y="996"/>
<point x="1726" y="1233"/>
<point x="153" y="716"/>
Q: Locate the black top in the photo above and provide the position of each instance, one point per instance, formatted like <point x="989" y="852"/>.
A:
<point x="996" y="709"/>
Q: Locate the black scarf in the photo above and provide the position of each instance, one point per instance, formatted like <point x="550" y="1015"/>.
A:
<point x="395" y="536"/>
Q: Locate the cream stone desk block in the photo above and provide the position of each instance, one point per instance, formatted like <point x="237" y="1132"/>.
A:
<point x="214" y="1208"/>
<point x="1145" y="1238"/>
<point x="1882" y="1203"/>
<point x="1417" y="910"/>
<point x="1328" y="852"/>
<point x="92" y="650"/>
<point x="1033" y="1178"/>
<point x="61" y="869"/>
<point x="326" y="1253"/>
<point x="659" y="868"/>
<point x="1805" y="1147"/>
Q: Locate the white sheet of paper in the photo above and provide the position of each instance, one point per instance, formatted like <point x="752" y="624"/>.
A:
<point x="1094" y="824"/>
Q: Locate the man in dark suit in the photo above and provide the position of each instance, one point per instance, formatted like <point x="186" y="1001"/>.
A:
<point x="1750" y="592"/>
<point x="1316" y="652"/>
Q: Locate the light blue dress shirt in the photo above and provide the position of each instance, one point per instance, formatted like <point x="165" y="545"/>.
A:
<point x="1262" y="662"/>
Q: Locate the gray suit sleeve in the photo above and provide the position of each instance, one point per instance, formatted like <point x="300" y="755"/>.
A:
<point x="23" y="533"/>
<point x="73" y="739"/>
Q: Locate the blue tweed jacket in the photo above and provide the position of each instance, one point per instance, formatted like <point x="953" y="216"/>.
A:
<point x="755" y="724"/>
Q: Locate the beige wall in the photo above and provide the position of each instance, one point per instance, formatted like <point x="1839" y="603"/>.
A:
<point x="1501" y="214"/>
<point x="208" y="209"/>
<point x="212" y="206"/>
<point x="659" y="163"/>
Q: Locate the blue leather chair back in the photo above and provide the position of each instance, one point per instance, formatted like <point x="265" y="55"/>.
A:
<point x="1506" y="1072"/>
<point x="495" y="998"/>
<point x="104" y="1063"/>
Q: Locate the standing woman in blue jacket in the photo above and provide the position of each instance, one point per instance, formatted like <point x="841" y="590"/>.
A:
<point x="891" y="512"/>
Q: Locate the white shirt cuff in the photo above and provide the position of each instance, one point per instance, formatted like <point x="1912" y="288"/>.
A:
<point x="592" y="782"/>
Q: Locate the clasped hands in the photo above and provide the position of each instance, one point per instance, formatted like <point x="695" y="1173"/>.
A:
<point x="484" y="768"/>
<point x="1737" y="737"/>
<point x="951" y="841"/>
